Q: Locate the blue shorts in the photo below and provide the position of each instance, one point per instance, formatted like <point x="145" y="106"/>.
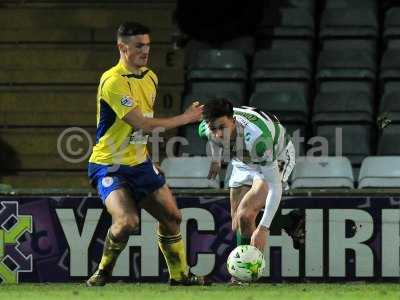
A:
<point x="141" y="180"/>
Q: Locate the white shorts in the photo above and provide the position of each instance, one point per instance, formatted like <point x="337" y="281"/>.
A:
<point x="244" y="174"/>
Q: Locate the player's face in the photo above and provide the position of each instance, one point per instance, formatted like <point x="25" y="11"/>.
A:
<point x="137" y="50"/>
<point x="222" y="128"/>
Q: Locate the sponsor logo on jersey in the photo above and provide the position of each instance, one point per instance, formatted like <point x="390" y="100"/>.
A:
<point x="127" y="101"/>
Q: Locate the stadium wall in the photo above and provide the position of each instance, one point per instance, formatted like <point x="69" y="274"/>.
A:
<point x="60" y="239"/>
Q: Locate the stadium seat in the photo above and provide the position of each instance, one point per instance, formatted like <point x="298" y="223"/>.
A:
<point x="380" y="172"/>
<point x="188" y="172"/>
<point x="194" y="145"/>
<point x="350" y="4"/>
<point x="244" y="44"/>
<point x="298" y="87"/>
<point x="349" y="22"/>
<point x="391" y="33"/>
<point x="204" y="98"/>
<point x="74" y="106"/>
<point x="323" y="172"/>
<point x="218" y="64"/>
<point x="389" y="140"/>
<point x="369" y="45"/>
<point x="289" y="107"/>
<point x="343" y="107"/>
<point x="284" y="45"/>
<point x="346" y="64"/>
<point x="214" y="71"/>
<point x="292" y="64"/>
<point x="236" y="90"/>
<point x="287" y="23"/>
<point x="390" y="67"/>
<point x="347" y="70"/>
<point x="309" y="5"/>
<point x="390" y="104"/>
<point x="355" y="140"/>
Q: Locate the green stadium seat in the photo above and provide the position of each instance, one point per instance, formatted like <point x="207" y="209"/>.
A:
<point x="337" y="107"/>
<point x="346" y="64"/>
<point x="217" y="64"/>
<point x="347" y="70"/>
<point x="350" y="4"/>
<point x="309" y="5"/>
<point x="276" y="64"/>
<point x="391" y="33"/>
<point x="287" y="23"/>
<point x="284" y="45"/>
<point x="390" y="67"/>
<point x="203" y="98"/>
<point x="390" y="105"/>
<point x="356" y="140"/>
<point x="289" y="107"/>
<point x="195" y="145"/>
<point x="349" y="22"/>
<point x="369" y="45"/>
<point x="389" y="141"/>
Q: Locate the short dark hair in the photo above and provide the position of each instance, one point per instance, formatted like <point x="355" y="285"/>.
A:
<point x="216" y="108"/>
<point x="131" y="28"/>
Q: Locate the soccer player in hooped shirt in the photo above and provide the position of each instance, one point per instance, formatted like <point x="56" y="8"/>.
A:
<point x="120" y="167"/>
<point x="256" y="141"/>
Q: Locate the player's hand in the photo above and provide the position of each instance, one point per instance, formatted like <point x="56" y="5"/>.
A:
<point x="193" y="112"/>
<point x="215" y="167"/>
<point x="259" y="237"/>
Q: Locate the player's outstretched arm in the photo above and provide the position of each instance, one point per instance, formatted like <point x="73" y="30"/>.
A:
<point x="136" y="119"/>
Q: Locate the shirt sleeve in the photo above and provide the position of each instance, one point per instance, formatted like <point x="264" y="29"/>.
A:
<point x="203" y="130"/>
<point x="117" y="93"/>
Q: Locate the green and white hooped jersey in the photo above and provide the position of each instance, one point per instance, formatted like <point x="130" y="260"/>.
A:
<point x="263" y="135"/>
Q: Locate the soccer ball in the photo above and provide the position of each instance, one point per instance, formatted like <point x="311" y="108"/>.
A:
<point x="246" y="263"/>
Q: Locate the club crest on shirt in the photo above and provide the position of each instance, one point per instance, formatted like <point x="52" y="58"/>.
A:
<point x="127" y="101"/>
<point x="107" y="181"/>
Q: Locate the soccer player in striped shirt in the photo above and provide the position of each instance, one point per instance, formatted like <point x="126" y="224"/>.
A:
<point x="256" y="142"/>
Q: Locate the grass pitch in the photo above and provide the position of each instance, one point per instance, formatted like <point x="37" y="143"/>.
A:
<point x="126" y="291"/>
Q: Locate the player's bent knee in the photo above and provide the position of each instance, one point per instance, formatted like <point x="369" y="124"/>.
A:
<point x="127" y="224"/>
